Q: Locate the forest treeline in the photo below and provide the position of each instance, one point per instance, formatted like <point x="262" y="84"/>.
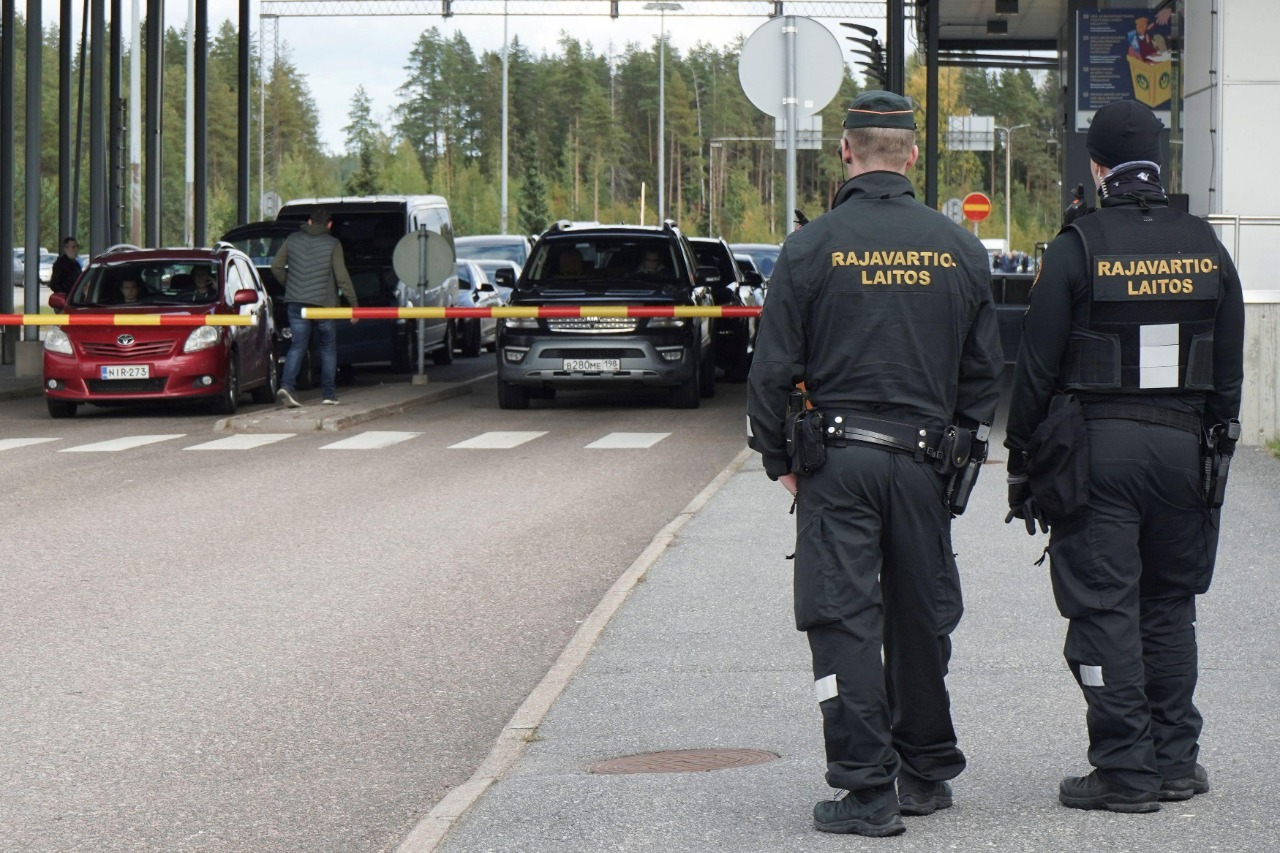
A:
<point x="583" y="130"/>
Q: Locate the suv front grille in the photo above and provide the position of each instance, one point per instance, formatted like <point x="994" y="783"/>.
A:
<point x="594" y="325"/>
<point x="154" y="349"/>
<point x="593" y="352"/>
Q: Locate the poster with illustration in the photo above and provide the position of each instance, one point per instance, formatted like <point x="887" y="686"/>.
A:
<point x="1123" y="54"/>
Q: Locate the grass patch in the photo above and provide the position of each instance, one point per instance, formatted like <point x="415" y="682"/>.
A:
<point x="1274" y="446"/>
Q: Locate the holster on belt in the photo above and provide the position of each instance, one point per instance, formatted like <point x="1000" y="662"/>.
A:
<point x="803" y="431"/>
<point x="965" y="477"/>
<point x="1219" y="448"/>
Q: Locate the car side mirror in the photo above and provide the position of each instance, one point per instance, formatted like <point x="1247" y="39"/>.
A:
<point x="485" y="287"/>
<point x="245" y="297"/>
<point x="751" y="278"/>
<point x="57" y="301"/>
<point x="708" y="275"/>
<point x="505" y="277"/>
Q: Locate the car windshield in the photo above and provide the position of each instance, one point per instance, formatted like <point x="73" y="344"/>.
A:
<point x="477" y="249"/>
<point x="147" y="283"/>
<point x="764" y="258"/>
<point x="603" y="262"/>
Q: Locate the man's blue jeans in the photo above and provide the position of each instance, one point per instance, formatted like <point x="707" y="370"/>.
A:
<point x="326" y="337"/>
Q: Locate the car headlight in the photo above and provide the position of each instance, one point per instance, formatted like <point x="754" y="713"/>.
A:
<point x="666" y="322"/>
<point x="56" y="340"/>
<point x="521" y="322"/>
<point x="201" y="337"/>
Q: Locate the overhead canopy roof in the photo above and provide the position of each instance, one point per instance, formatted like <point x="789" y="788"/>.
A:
<point x="966" y="24"/>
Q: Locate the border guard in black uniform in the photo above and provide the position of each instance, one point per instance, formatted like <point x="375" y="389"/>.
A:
<point x="882" y="308"/>
<point x="1121" y="427"/>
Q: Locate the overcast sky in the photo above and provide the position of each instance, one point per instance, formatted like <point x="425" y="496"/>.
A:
<point x="337" y="54"/>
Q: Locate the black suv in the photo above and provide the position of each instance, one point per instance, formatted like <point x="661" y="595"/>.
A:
<point x="608" y="265"/>
<point x="735" y="336"/>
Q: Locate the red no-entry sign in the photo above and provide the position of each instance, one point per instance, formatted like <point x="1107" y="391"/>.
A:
<point x="977" y="207"/>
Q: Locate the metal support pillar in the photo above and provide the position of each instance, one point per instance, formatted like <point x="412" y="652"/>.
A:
<point x="154" y="106"/>
<point x="31" y="160"/>
<point x="99" y="205"/>
<point x="244" y="124"/>
<point x="931" y="95"/>
<point x="115" y="128"/>
<point x="201" y="224"/>
<point x="66" y="211"/>
<point x="895" y="46"/>
<point x="8" y="127"/>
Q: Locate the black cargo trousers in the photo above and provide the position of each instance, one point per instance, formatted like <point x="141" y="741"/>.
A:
<point x="1126" y="571"/>
<point x="873" y="566"/>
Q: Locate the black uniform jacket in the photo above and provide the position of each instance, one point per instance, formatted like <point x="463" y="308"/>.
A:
<point x="1060" y="299"/>
<point x="881" y="306"/>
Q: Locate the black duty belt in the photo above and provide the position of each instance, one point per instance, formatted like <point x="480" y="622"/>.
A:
<point x="1185" y="421"/>
<point x="840" y="429"/>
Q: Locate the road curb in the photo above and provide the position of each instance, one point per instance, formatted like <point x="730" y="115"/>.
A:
<point x="426" y="836"/>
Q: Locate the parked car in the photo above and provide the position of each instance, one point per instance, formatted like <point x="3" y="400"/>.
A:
<point x="369" y="228"/>
<point x="46" y="266"/>
<point x="765" y="255"/>
<point x="475" y="291"/>
<point x="505" y="247"/>
<point x="131" y="364"/>
<point x="735" y="336"/>
<point x="594" y="264"/>
<point x="502" y="274"/>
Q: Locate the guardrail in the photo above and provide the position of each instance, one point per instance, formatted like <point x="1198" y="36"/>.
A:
<point x="128" y="320"/>
<point x="544" y="312"/>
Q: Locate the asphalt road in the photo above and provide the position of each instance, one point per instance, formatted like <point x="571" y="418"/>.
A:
<point x="295" y="646"/>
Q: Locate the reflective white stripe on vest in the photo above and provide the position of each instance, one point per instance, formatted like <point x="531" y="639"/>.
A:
<point x="826" y="688"/>
<point x="1158" y="356"/>
<point x="1091" y="676"/>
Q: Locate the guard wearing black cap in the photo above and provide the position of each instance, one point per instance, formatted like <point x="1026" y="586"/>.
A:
<point x="882" y="308"/>
<point x="1122" y="423"/>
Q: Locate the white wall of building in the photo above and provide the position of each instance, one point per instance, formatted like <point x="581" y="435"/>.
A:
<point x="1231" y="121"/>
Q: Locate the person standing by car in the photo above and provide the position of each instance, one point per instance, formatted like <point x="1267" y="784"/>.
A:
<point x="1122" y="423"/>
<point x="312" y="269"/>
<point x="66" y="269"/>
<point x="882" y="308"/>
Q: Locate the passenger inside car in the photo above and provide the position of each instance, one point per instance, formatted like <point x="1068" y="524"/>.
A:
<point x="570" y="262"/>
<point x="206" y="289"/>
<point x="651" y="265"/>
<point x="130" y="291"/>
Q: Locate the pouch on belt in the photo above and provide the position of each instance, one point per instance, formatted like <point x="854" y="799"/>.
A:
<point x="1057" y="457"/>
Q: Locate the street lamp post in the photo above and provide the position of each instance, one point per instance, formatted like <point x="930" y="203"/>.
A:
<point x="662" y="8"/>
<point x="1008" y="161"/>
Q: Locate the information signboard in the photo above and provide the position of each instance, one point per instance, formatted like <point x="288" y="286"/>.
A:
<point x="1123" y="54"/>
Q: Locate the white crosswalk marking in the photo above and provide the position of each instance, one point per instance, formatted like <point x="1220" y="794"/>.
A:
<point x="496" y="441"/>
<point x="628" y="441"/>
<point x="129" y="442"/>
<point x="11" y="443"/>
<point x="372" y="440"/>
<point x="243" y="442"/>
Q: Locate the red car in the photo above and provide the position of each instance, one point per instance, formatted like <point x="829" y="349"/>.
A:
<point x="135" y="364"/>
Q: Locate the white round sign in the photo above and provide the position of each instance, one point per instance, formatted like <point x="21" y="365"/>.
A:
<point x="406" y="259"/>
<point x="820" y="67"/>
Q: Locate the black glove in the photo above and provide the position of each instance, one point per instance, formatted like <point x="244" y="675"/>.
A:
<point x="1022" y="504"/>
<point x="1078" y="207"/>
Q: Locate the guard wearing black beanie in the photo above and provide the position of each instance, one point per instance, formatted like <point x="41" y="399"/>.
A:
<point x="1122" y="421"/>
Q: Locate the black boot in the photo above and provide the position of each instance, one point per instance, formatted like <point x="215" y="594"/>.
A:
<point x="872" y="812"/>
<point x="1094" y="792"/>
<point x="918" y="797"/>
<point x="1186" y="787"/>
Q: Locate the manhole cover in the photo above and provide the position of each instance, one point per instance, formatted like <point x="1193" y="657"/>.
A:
<point x="684" y="761"/>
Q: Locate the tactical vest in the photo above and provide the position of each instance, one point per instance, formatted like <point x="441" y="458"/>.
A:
<point x="1155" y="279"/>
<point x="310" y="279"/>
